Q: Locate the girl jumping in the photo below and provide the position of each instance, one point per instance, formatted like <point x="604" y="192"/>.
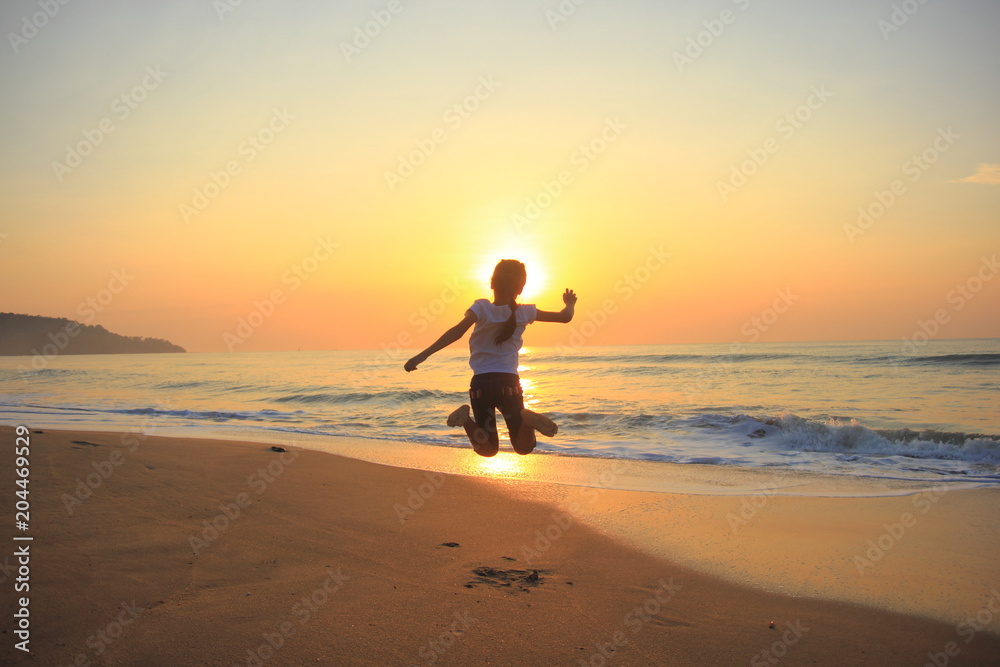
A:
<point x="494" y="347"/>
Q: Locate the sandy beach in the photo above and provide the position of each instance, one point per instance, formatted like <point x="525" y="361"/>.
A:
<point x="180" y="551"/>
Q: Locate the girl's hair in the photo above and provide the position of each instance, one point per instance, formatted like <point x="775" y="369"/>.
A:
<point x="509" y="276"/>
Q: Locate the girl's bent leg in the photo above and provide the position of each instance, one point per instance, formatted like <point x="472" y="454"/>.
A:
<point x="540" y="423"/>
<point x="459" y="416"/>
<point x="523" y="441"/>
<point x="484" y="444"/>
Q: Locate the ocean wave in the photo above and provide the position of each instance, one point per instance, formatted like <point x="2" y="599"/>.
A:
<point x="652" y="361"/>
<point x="978" y="359"/>
<point x="734" y="357"/>
<point x="659" y="371"/>
<point x="840" y="437"/>
<point x="626" y="358"/>
<point x="22" y="372"/>
<point x="611" y="419"/>
<point x="207" y="415"/>
<point x="180" y="385"/>
<point x="876" y="360"/>
<point x="402" y="396"/>
<point x="780" y="436"/>
<point x="983" y="359"/>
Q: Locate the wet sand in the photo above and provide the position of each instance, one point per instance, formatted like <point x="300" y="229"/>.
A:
<point x="168" y="551"/>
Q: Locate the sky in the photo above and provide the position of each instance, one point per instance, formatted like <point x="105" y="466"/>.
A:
<point x="252" y="175"/>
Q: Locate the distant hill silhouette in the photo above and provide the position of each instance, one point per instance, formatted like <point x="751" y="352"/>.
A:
<point x="48" y="336"/>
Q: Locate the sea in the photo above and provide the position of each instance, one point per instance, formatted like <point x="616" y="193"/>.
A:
<point x="879" y="410"/>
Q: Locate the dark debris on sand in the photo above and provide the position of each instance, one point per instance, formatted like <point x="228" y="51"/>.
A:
<point x="511" y="580"/>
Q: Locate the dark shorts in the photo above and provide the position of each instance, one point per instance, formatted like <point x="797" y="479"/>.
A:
<point x="489" y="392"/>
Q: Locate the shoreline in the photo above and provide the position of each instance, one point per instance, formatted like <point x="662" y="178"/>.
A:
<point x="372" y="539"/>
<point x="631" y="474"/>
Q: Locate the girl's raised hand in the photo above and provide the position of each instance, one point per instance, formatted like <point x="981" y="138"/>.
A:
<point x="569" y="297"/>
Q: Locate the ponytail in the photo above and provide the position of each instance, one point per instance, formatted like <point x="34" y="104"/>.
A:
<point x="509" y="326"/>
<point x="508" y="278"/>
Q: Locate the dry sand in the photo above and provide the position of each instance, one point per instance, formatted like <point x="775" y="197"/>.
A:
<point x="334" y="561"/>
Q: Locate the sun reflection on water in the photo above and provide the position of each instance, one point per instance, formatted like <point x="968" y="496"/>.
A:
<point x="528" y="389"/>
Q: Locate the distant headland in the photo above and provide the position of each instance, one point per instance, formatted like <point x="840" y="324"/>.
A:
<point x="49" y="336"/>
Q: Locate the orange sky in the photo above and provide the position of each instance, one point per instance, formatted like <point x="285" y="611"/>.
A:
<point x="269" y="160"/>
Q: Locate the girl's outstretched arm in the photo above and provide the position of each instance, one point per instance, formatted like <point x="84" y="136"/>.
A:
<point x="565" y="315"/>
<point x="446" y="339"/>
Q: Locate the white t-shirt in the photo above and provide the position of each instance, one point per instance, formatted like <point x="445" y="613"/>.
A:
<point x="486" y="356"/>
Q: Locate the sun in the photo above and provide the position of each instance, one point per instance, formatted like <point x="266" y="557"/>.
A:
<point x="537" y="279"/>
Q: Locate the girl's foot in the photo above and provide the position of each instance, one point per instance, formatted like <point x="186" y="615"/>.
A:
<point x="459" y="416"/>
<point x="540" y="423"/>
